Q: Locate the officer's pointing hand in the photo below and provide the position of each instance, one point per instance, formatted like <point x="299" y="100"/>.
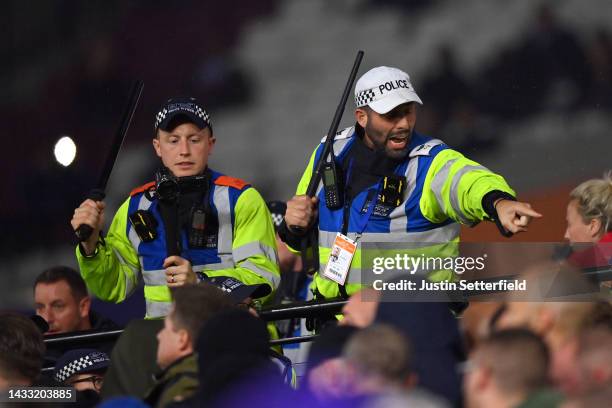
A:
<point x="301" y="211"/>
<point x="515" y="216"/>
<point x="178" y="271"/>
<point x="91" y="213"/>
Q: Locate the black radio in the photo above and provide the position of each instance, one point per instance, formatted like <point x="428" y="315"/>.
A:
<point x="331" y="186"/>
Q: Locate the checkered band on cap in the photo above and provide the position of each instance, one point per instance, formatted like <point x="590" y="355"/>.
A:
<point x="72" y="368"/>
<point x="174" y="107"/>
<point x="364" y="97"/>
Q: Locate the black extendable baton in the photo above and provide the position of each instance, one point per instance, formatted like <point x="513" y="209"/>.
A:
<point x="84" y="231"/>
<point x="329" y="140"/>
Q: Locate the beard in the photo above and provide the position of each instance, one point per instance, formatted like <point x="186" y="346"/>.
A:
<point x="381" y="142"/>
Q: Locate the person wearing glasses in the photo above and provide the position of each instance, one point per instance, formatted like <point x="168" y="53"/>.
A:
<point x="83" y="369"/>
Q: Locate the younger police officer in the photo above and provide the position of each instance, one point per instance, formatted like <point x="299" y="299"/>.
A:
<point x="398" y="186"/>
<point x="190" y="223"/>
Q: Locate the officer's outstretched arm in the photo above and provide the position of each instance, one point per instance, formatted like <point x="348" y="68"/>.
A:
<point x="111" y="272"/>
<point x="455" y="187"/>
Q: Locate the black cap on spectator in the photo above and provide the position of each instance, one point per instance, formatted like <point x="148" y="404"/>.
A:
<point x="80" y="361"/>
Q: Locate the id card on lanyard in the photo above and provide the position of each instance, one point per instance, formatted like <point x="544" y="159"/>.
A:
<point x="340" y="258"/>
<point x="344" y="248"/>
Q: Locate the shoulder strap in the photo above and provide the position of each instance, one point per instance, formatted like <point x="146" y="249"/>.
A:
<point x="231" y="182"/>
<point x="142" y="188"/>
<point x="425" y="148"/>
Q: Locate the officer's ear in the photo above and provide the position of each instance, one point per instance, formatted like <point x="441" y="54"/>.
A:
<point x="361" y="116"/>
<point x="156" y="144"/>
<point x="210" y="140"/>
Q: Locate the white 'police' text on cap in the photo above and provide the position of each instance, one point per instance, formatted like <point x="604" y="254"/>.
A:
<point x="384" y="88"/>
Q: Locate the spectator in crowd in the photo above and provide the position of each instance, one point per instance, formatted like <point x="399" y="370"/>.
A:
<point x="360" y="310"/>
<point x="593" y="367"/>
<point x="133" y="359"/>
<point x="436" y="342"/>
<point x="83" y="369"/>
<point x="589" y="212"/>
<point x="245" y="297"/>
<point x="596" y="399"/>
<point x="558" y="323"/>
<point x="21" y="351"/>
<point x="589" y="220"/>
<point x="387" y="370"/>
<point x="325" y="374"/>
<point x="478" y="321"/>
<point x="61" y="298"/>
<point x="233" y="362"/>
<point x="510" y="369"/>
<point x="192" y="307"/>
<point x="133" y="364"/>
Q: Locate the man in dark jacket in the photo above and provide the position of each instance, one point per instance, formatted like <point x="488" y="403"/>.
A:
<point x="192" y="306"/>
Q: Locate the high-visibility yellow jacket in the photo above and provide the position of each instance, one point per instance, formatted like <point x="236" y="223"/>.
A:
<point x="444" y="188"/>
<point x="245" y="250"/>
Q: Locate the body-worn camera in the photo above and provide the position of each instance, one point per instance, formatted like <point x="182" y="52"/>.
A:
<point x="168" y="187"/>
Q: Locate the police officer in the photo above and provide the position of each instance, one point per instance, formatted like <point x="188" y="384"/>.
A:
<point x="396" y="184"/>
<point x="190" y="223"/>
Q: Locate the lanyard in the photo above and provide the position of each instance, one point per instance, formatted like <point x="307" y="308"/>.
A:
<point x="370" y="199"/>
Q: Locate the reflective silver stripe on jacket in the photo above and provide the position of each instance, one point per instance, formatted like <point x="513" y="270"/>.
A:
<point x="438" y="183"/>
<point x="272" y="278"/>
<point x="436" y="235"/>
<point x="157" y="309"/>
<point x="243" y="253"/>
<point x="418" y="239"/>
<point x="130" y="284"/>
<point x="454" y="193"/>
<point x="226" y="233"/>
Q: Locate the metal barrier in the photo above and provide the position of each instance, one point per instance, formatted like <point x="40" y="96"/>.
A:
<point x="274" y="313"/>
<point x="287" y="311"/>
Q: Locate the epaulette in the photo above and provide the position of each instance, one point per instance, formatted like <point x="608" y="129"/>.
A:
<point x="341" y="134"/>
<point x="142" y="188"/>
<point x="425" y="148"/>
<point x="231" y="182"/>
